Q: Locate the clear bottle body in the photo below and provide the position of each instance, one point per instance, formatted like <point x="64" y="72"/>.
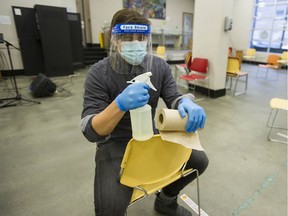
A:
<point x="141" y="122"/>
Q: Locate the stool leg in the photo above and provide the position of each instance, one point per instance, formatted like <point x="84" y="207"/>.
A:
<point x="273" y="121"/>
<point x="246" y="83"/>
<point x="267" y="124"/>
<point x="272" y="126"/>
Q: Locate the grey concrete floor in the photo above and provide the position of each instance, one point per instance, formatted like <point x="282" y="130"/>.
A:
<point x="47" y="166"/>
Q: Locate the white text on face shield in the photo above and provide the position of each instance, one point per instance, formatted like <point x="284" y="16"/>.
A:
<point x="134" y="27"/>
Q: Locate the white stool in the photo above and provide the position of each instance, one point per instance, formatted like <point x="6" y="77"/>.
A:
<point x="277" y="104"/>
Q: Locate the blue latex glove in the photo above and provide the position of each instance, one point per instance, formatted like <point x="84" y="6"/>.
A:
<point x="134" y="96"/>
<point x="196" y="114"/>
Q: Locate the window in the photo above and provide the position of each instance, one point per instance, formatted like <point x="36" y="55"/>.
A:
<point x="269" y="27"/>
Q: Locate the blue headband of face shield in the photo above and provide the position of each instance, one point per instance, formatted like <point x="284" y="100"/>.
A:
<point x="133" y="49"/>
<point x="131" y="29"/>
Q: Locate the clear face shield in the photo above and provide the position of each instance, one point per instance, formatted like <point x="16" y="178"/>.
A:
<point x="131" y="48"/>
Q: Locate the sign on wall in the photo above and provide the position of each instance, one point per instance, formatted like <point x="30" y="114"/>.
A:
<point x="155" y="9"/>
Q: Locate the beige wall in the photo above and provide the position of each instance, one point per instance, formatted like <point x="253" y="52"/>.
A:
<point x="242" y="14"/>
<point x="102" y="12"/>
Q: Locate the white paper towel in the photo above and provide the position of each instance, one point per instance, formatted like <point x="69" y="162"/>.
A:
<point x="172" y="128"/>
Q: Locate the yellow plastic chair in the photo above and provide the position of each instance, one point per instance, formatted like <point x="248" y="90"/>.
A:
<point x="160" y="51"/>
<point x="283" y="58"/>
<point x="284" y="55"/>
<point x="233" y="71"/>
<point x="250" y="53"/>
<point x="272" y="63"/>
<point x="148" y="166"/>
<point x="239" y="55"/>
<point x="276" y="104"/>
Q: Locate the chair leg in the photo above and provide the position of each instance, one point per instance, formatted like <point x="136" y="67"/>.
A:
<point x="267" y="71"/>
<point x="208" y="89"/>
<point x="274" y="71"/>
<point x="272" y="126"/>
<point x="246" y="83"/>
<point x="246" y="86"/>
<point x="230" y="83"/>
<point x="267" y="124"/>
<point x="234" y="91"/>
<point x="198" y="190"/>
<point x="260" y="70"/>
<point x="257" y="72"/>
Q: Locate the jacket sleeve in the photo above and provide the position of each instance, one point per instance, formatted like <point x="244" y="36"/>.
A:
<point x="96" y="99"/>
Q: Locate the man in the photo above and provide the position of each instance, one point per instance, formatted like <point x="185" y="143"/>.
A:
<point x="105" y="119"/>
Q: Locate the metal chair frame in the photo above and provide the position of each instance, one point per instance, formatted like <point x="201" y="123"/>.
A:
<point x="276" y="104"/>
<point x="236" y="73"/>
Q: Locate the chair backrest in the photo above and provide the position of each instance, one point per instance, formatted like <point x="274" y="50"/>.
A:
<point x="251" y="52"/>
<point x="160" y="51"/>
<point x="199" y="65"/>
<point x="284" y="56"/>
<point x="239" y="54"/>
<point x="188" y="59"/>
<point x="233" y="65"/>
<point x="151" y="161"/>
<point x="273" y="59"/>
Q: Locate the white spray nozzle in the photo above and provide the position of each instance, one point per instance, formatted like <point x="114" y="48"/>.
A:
<point x="143" y="78"/>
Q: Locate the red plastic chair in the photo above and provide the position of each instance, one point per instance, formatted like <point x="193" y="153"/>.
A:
<point x="198" y="72"/>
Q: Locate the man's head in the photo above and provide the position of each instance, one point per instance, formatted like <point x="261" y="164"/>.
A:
<point x="128" y="16"/>
<point x="130" y="41"/>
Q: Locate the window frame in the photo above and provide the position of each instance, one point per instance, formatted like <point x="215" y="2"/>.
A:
<point x="269" y="30"/>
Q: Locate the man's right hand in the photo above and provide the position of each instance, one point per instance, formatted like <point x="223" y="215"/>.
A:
<point x="134" y="96"/>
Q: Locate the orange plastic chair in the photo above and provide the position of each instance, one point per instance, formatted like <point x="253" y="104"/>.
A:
<point x="233" y="71"/>
<point x="272" y="63"/>
<point x="198" y="71"/>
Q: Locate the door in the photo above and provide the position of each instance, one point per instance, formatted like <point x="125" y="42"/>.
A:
<point x="55" y="40"/>
<point x="76" y="40"/>
<point x="187" y="26"/>
<point x="29" y="40"/>
<point x="83" y="8"/>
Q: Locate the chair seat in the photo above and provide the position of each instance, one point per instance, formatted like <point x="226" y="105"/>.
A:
<point x="268" y="66"/>
<point x="277" y="103"/>
<point x="249" y="57"/>
<point x="240" y="73"/>
<point x="193" y="77"/>
<point x="183" y="65"/>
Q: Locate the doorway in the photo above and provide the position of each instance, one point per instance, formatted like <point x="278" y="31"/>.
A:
<point x="187" y="26"/>
<point x="83" y="7"/>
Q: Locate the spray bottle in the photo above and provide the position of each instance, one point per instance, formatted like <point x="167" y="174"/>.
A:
<point x="141" y="118"/>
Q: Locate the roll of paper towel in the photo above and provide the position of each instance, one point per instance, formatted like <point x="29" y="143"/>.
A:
<point x="170" y="120"/>
<point x="172" y="128"/>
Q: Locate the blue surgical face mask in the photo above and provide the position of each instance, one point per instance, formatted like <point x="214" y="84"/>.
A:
<point x="133" y="51"/>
